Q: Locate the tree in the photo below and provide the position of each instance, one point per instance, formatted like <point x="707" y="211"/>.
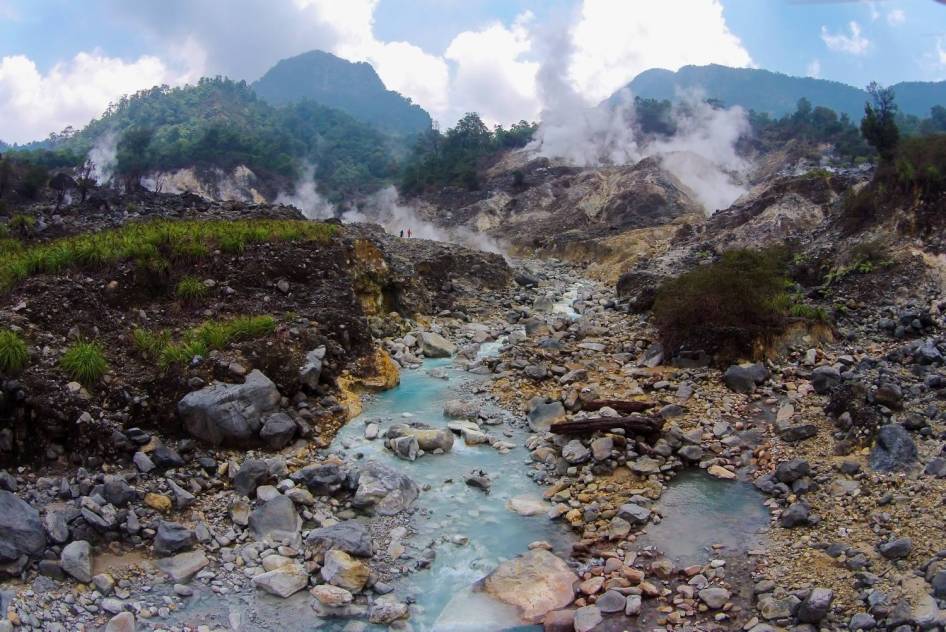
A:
<point x="85" y="180"/>
<point x="133" y="154"/>
<point x="879" y="125"/>
<point x="6" y="174"/>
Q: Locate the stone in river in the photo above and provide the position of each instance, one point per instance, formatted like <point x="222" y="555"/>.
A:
<point x="536" y="583"/>
<point x="714" y="597"/>
<point x="526" y="506"/>
<point x="611" y="601"/>
<point x="587" y="618"/>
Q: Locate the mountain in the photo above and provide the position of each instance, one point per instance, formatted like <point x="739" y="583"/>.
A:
<point x="775" y="93"/>
<point x="354" y="88"/>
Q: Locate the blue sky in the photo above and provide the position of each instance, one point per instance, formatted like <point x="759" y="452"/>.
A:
<point x="62" y="61"/>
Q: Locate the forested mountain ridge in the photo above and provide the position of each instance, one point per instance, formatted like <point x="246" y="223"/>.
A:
<point x="775" y="93"/>
<point x="354" y="88"/>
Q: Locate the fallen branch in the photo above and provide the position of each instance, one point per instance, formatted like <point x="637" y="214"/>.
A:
<point x="633" y="424"/>
<point x="625" y="407"/>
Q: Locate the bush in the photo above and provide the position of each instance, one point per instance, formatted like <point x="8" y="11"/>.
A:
<point x="190" y="289"/>
<point x="723" y="307"/>
<point x="13" y="352"/>
<point x="85" y="362"/>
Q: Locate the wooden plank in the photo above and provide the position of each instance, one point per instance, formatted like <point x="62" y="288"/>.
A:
<point x="636" y="424"/>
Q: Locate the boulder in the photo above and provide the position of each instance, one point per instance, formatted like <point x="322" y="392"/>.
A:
<point x="434" y="345"/>
<point x="76" y="561"/>
<point x="543" y="414"/>
<point x="460" y="409"/>
<point x="896" y="549"/>
<point x="276" y="522"/>
<point x="714" y="597"/>
<point x="383" y="490"/>
<point x="252" y="474"/>
<point x="824" y="379"/>
<point x="633" y="513"/>
<point x="20" y="525"/>
<point x="182" y="567"/>
<point x="229" y="414"/>
<point x="796" y="515"/>
<point x="342" y="570"/>
<point x="331" y="596"/>
<point x="536" y="583"/>
<point x="404" y="447"/>
<point x="349" y="536"/>
<point x="575" y="452"/>
<point x="894" y="449"/>
<point x="587" y="618"/>
<point x="428" y="439"/>
<point x="790" y="471"/>
<point x="277" y="431"/>
<point x="121" y="622"/>
<point x="815" y="608"/>
<point x="284" y="581"/>
<point x="172" y="537"/>
<point x="311" y="371"/>
<point x="739" y="379"/>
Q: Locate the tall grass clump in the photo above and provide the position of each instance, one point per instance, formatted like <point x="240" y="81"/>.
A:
<point x="200" y="340"/>
<point x="150" y="241"/>
<point x="13" y="352"/>
<point x="85" y="362"/>
<point x="723" y="307"/>
<point x="190" y="289"/>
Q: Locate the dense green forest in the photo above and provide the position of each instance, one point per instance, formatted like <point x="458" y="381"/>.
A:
<point x="222" y="123"/>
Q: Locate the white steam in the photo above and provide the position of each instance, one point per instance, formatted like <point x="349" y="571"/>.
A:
<point x="701" y="154"/>
<point x="306" y="197"/>
<point x="104" y="157"/>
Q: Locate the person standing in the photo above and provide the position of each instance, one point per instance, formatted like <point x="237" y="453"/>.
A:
<point x="402" y="233"/>
<point x="408" y="233"/>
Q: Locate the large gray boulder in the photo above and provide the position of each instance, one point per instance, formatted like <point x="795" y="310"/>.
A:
<point x="277" y="522"/>
<point x="173" y="537"/>
<point x="436" y="346"/>
<point x="230" y="414"/>
<point x="20" y="525"/>
<point x="76" y="560"/>
<point x="383" y="490"/>
<point x="428" y="439"/>
<point x="350" y="536"/>
<point x="311" y="371"/>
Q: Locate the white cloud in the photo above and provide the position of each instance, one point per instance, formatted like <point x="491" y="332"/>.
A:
<point x="941" y="52"/>
<point x="814" y="69"/>
<point x="33" y="104"/>
<point x="896" y="17"/>
<point x="615" y="41"/>
<point x="854" y="43"/>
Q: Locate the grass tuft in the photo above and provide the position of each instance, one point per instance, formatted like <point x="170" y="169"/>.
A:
<point x="85" y="362"/>
<point x="190" y="289"/>
<point x="199" y="341"/>
<point x="13" y="352"/>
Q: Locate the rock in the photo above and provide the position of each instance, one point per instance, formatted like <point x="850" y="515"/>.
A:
<point x="793" y="433"/>
<point x="183" y="566"/>
<point x="276" y="522"/>
<point x="611" y="601"/>
<point x="536" y="583"/>
<point x="790" y="471"/>
<point x="816" y="606"/>
<point x="587" y="618"/>
<point x="719" y="471"/>
<point x="939" y="584"/>
<point x="796" y="515"/>
<point x="252" y="474"/>
<point x="384" y="612"/>
<point x="104" y="583"/>
<point x="76" y="560"/>
<point x="383" y="490"/>
<point x="331" y="596"/>
<point x="277" y="431"/>
<point x="56" y="526"/>
<point x="897" y="549"/>
<point x="927" y="353"/>
<point x="342" y="570"/>
<point x="20" y="525"/>
<point x="172" y="537"/>
<point x="166" y="458"/>
<point x="158" y="502"/>
<point x="633" y="513"/>
<point x="526" y="506"/>
<point x="117" y="491"/>
<point x="436" y="346"/>
<point x="559" y="621"/>
<point x="229" y="414"/>
<point x="601" y="448"/>
<point x="143" y="462"/>
<point x="405" y="447"/>
<point x="894" y="449"/>
<point x="543" y="414"/>
<point x="460" y="409"/>
<point x="692" y="453"/>
<point x="575" y="452"/>
<point x="284" y="581"/>
<point x="824" y="379"/>
<point x="740" y="379"/>
<point x="122" y="622"/>
<point x="311" y="371"/>
<point x="428" y="439"/>
<point x="633" y="606"/>
<point x="714" y="597"/>
<point x="349" y="536"/>
<point x="862" y="621"/>
<point x="321" y="480"/>
<point x="889" y="395"/>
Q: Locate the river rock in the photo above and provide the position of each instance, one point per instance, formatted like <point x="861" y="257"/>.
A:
<point x="404" y="447"/>
<point x="526" y="506"/>
<point x="183" y="566"/>
<point x="543" y="414"/>
<point x="894" y="449"/>
<point x="122" y="622"/>
<point x="349" y="536"/>
<point x="76" y="561"/>
<point x="230" y="414"/>
<point x="331" y="596"/>
<point x="460" y="409"/>
<point x="342" y="570"/>
<point x="284" y="581"/>
<point x="278" y="430"/>
<point x="790" y="471"/>
<point x="385" y="611"/>
<point x="383" y="490"/>
<point x="816" y="606"/>
<point x="276" y="521"/>
<point x="575" y="452"/>
<point x="559" y="621"/>
<point x="796" y="515"/>
<point x="633" y="513"/>
<point x="536" y="583"/>
<point x="714" y="597"/>
<point x="20" y="525"/>
<point x="587" y="618"/>
<point x="611" y="601"/>
<point x="434" y="345"/>
<point x="740" y="379"/>
<point x="601" y="448"/>
<point x="173" y="537"/>
<point x="428" y="439"/>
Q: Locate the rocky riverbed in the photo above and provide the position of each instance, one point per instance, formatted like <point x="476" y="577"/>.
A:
<point x="528" y="472"/>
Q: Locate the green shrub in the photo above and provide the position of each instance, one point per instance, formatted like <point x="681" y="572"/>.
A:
<point x="13" y="352"/>
<point x="199" y="341"/>
<point x="725" y="306"/>
<point x="85" y="362"/>
<point x="190" y="289"/>
<point x="23" y="224"/>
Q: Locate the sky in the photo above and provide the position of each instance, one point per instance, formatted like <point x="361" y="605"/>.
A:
<point x="63" y="61"/>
